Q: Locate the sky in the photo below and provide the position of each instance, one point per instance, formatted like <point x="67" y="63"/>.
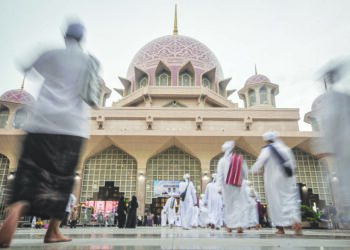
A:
<point x="290" y="41"/>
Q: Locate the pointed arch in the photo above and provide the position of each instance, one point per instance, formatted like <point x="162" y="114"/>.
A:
<point x="171" y="164"/>
<point x="20" y="117"/>
<point x="258" y="181"/>
<point x="4" y="115"/>
<point x="186" y="75"/>
<point x="252" y="97"/>
<point x="141" y="78"/>
<point x="315" y="175"/>
<point x="112" y="164"/>
<point x="163" y="75"/>
<point x="208" y="79"/>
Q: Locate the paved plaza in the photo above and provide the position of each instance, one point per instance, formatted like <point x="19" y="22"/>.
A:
<point x="147" y="238"/>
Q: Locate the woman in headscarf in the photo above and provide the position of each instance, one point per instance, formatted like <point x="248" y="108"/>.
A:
<point x="232" y="198"/>
<point x="121" y="212"/>
<point x="186" y="205"/>
<point x="281" y="190"/>
<point x="132" y="209"/>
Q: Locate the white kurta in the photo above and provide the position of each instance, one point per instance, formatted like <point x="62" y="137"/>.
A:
<point x="232" y="198"/>
<point x="281" y="191"/>
<point x="163" y="216"/>
<point x="251" y="211"/>
<point x="186" y="211"/>
<point x="214" y="202"/>
<point x="195" y="216"/>
<point x="171" y="212"/>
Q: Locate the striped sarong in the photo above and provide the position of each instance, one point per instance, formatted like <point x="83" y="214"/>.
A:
<point x="234" y="175"/>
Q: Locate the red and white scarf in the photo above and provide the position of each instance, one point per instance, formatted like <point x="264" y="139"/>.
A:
<point x="234" y="175"/>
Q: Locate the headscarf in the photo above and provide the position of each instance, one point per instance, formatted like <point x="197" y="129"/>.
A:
<point x="227" y="147"/>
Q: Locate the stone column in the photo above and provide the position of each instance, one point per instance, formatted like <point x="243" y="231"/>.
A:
<point x="141" y="186"/>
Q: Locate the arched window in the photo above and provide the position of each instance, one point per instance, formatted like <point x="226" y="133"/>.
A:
<point x="4" y="115"/>
<point x="186" y="79"/>
<point x="143" y="82"/>
<point x="263" y="95"/>
<point x="163" y="79"/>
<point x="206" y="83"/>
<point x="252" y="97"/>
<point x="20" y="118"/>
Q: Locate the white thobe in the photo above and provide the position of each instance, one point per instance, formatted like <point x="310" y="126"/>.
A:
<point x="186" y="211"/>
<point x="163" y="216"/>
<point x="203" y="214"/>
<point x="232" y="198"/>
<point x="251" y="212"/>
<point x="171" y="212"/>
<point x="281" y="192"/>
<point x="195" y="216"/>
<point x="214" y="202"/>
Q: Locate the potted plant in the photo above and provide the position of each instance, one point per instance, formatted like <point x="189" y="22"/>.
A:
<point x="309" y="215"/>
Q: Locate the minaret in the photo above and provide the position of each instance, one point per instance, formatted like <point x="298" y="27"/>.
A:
<point x="22" y="86"/>
<point x="256" y="70"/>
<point x="175" y="31"/>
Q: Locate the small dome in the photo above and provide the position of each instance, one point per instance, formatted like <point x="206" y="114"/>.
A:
<point x="258" y="78"/>
<point x="17" y="96"/>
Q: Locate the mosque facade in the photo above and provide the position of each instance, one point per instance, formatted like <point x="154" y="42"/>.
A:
<point x="172" y="119"/>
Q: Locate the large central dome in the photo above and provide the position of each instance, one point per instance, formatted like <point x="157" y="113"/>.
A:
<point x="175" y="51"/>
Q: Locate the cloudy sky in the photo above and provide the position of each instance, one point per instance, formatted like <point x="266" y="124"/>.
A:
<point x="288" y="40"/>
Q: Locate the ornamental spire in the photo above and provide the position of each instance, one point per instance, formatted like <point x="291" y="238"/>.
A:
<point x="256" y="70"/>
<point x="24" y="77"/>
<point x="175" y="31"/>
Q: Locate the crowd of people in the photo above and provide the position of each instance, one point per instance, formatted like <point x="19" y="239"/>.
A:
<point x="58" y="127"/>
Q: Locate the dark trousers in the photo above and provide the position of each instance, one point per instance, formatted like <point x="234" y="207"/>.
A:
<point x="64" y="219"/>
<point x="73" y="224"/>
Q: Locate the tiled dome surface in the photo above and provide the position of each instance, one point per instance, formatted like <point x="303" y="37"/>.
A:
<point x="257" y="79"/>
<point x="17" y="96"/>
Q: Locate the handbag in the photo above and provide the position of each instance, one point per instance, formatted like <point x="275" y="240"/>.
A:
<point x="183" y="194"/>
<point x="91" y="90"/>
<point x="287" y="167"/>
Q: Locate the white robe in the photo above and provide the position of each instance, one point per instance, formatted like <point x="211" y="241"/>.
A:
<point x="195" y="216"/>
<point x="163" y="217"/>
<point x="203" y="214"/>
<point x="281" y="192"/>
<point x="232" y="198"/>
<point x="171" y="212"/>
<point x="186" y="210"/>
<point x="251" y="211"/>
<point x="214" y="202"/>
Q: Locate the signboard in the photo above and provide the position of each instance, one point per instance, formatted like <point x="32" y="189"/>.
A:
<point x="165" y="188"/>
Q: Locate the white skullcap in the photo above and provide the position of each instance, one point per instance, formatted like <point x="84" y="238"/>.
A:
<point x="213" y="175"/>
<point x="270" y="136"/>
<point x="75" y="30"/>
<point x="186" y="176"/>
<point x="228" y="146"/>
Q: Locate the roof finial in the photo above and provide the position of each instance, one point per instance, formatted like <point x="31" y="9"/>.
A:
<point x="325" y="83"/>
<point x="24" y="77"/>
<point x="175" y="32"/>
<point x="256" y="70"/>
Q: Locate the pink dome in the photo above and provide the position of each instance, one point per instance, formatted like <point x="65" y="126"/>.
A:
<point x="175" y="51"/>
<point x="17" y="96"/>
<point x="257" y="79"/>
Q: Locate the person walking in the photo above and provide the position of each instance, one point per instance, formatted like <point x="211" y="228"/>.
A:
<point x="170" y="210"/>
<point x="56" y="131"/>
<point x="186" y="206"/>
<point x="213" y="200"/>
<point x="71" y="203"/>
<point x="132" y="209"/>
<point x="231" y="171"/>
<point x="280" y="184"/>
<point x="74" y="218"/>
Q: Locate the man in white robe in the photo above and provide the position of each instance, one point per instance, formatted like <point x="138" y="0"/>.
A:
<point x="163" y="217"/>
<point x="281" y="191"/>
<point x="232" y="199"/>
<point x="213" y="200"/>
<point x="195" y="216"/>
<point x="186" y="210"/>
<point x="203" y="213"/>
<point x="170" y="209"/>
<point x="251" y="209"/>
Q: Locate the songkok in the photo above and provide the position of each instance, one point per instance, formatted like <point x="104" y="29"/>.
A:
<point x="228" y="146"/>
<point x="75" y="30"/>
<point x="186" y="176"/>
<point x="270" y="136"/>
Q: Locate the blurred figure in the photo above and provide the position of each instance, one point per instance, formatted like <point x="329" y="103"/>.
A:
<point x="121" y="210"/>
<point x="56" y="129"/>
<point x="163" y="218"/>
<point x="170" y="210"/>
<point x="71" y="203"/>
<point x="229" y="181"/>
<point x="334" y="125"/>
<point x="203" y="212"/>
<point x="74" y="218"/>
<point x="281" y="190"/>
<point x="132" y="209"/>
<point x="186" y="206"/>
<point x="213" y="201"/>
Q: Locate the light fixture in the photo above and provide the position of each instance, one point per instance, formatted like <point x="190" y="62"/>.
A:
<point x="141" y="174"/>
<point x="77" y="177"/>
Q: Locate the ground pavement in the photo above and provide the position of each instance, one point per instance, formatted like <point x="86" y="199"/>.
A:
<point x="155" y="238"/>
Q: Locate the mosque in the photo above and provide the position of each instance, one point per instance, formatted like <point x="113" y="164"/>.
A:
<point x="172" y="119"/>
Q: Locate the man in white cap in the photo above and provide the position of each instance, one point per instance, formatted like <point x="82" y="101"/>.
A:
<point x="56" y="130"/>
<point x="170" y="210"/>
<point x="186" y="205"/>
<point x="232" y="198"/>
<point x="213" y="200"/>
<point x="281" y="189"/>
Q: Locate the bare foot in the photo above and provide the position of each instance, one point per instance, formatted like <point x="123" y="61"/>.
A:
<point x="298" y="229"/>
<point x="9" y="226"/>
<point x="229" y="230"/>
<point x="53" y="233"/>
<point x="239" y="230"/>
